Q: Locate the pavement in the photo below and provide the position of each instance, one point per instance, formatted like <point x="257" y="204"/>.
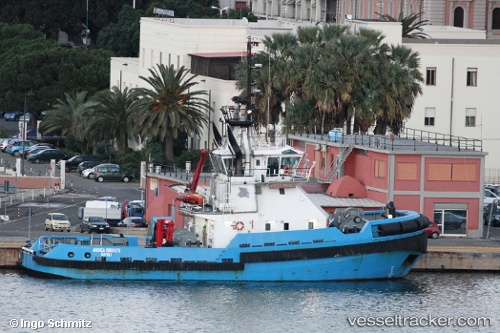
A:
<point x="444" y="243"/>
<point x="463" y="244"/>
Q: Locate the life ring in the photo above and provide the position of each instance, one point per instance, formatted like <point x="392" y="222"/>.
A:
<point x="239" y="225"/>
<point x="287" y="170"/>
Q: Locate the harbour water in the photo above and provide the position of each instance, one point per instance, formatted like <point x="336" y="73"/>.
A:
<point x="422" y="302"/>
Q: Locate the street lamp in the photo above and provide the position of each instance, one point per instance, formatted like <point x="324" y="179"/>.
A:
<point x="24" y="126"/>
<point x="220" y="9"/>
<point x="209" y="114"/>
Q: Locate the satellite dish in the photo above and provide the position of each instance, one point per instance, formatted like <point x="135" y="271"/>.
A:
<point x="244" y="21"/>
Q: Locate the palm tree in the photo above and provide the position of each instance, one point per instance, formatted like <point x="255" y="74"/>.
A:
<point x="170" y="106"/>
<point x="402" y="80"/>
<point x="411" y="29"/>
<point x="64" y="116"/>
<point x="110" y="118"/>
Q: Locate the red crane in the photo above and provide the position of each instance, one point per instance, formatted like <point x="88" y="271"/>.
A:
<point x="190" y="195"/>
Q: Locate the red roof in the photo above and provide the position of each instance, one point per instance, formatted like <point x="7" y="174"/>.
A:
<point x="219" y="54"/>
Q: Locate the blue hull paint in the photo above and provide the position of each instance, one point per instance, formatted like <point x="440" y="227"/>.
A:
<point x="366" y="267"/>
<point x="320" y="255"/>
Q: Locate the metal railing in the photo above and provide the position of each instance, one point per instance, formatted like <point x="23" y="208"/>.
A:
<point x="409" y="138"/>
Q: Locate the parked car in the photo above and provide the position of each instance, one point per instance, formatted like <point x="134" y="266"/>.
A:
<point x="135" y="208"/>
<point x="489" y="196"/>
<point x="451" y="221"/>
<point x="133" y="222"/>
<point x="111" y="172"/>
<point x="432" y="230"/>
<point x="57" y="221"/>
<point x="16" y="147"/>
<point x="495" y="215"/>
<point x="88" y="173"/>
<point x="38" y="147"/>
<point x="94" y="224"/>
<point x="13" y="115"/>
<point x="47" y="155"/>
<point x="493" y="188"/>
<point x="35" y="151"/>
<point x="73" y="162"/>
<point x="86" y="165"/>
<point x="4" y="143"/>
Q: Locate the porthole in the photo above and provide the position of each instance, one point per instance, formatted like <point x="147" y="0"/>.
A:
<point x="87" y="255"/>
<point x="71" y="254"/>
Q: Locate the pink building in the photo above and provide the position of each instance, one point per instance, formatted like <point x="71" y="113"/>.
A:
<point x="440" y="177"/>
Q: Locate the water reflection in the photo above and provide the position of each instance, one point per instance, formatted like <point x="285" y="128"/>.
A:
<point x="246" y="307"/>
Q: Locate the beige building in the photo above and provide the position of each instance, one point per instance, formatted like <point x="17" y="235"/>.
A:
<point x="471" y="14"/>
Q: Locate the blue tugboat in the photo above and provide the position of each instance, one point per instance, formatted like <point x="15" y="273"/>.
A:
<point x="253" y="223"/>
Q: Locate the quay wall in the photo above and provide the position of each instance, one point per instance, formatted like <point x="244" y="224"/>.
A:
<point x="9" y="256"/>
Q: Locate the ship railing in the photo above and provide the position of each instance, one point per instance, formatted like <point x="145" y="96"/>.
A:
<point x="263" y="141"/>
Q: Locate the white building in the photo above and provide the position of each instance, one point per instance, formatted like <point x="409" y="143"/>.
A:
<point x="213" y="46"/>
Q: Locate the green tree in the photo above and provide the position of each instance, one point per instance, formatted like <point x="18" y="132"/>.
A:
<point x="110" y="118"/>
<point x="411" y="27"/>
<point x="67" y="115"/>
<point x="170" y="106"/>
<point x="51" y="16"/>
<point x="31" y="63"/>
<point x="402" y="80"/>
<point x="122" y="38"/>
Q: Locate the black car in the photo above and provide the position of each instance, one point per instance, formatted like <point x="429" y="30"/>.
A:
<point x="94" y="224"/>
<point x="46" y="156"/>
<point x="451" y="221"/>
<point x="72" y="163"/>
<point x="495" y="215"/>
<point x="86" y="165"/>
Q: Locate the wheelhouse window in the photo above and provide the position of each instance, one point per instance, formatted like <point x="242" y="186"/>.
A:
<point x="470" y="117"/>
<point x="430" y="114"/>
<point x="430" y="78"/>
<point x="471" y="77"/>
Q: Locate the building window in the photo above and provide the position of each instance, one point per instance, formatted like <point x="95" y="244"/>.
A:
<point x="452" y="171"/>
<point x="495" y="19"/>
<point x="430" y="115"/>
<point x="451" y="221"/>
<point x="470" y="117"/>
<point x="407" y="171"/>
<point x="431" y="76"/>
<point x="379" y="169"/>
<point x="458" y="17"/>
<point x="161" y="58"/>
<point x="471" y="77"/>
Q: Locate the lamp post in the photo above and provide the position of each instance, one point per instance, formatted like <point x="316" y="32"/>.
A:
<point x="24" y="126"/>
<point x="209" y="114"/>
<point x="220" y="9"/>
<point x="87" y="26"/>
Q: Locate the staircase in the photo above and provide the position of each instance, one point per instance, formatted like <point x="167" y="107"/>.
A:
<point x="335" y="168"/>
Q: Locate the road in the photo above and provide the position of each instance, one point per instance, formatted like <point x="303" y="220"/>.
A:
<point x="23" y="226"/>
